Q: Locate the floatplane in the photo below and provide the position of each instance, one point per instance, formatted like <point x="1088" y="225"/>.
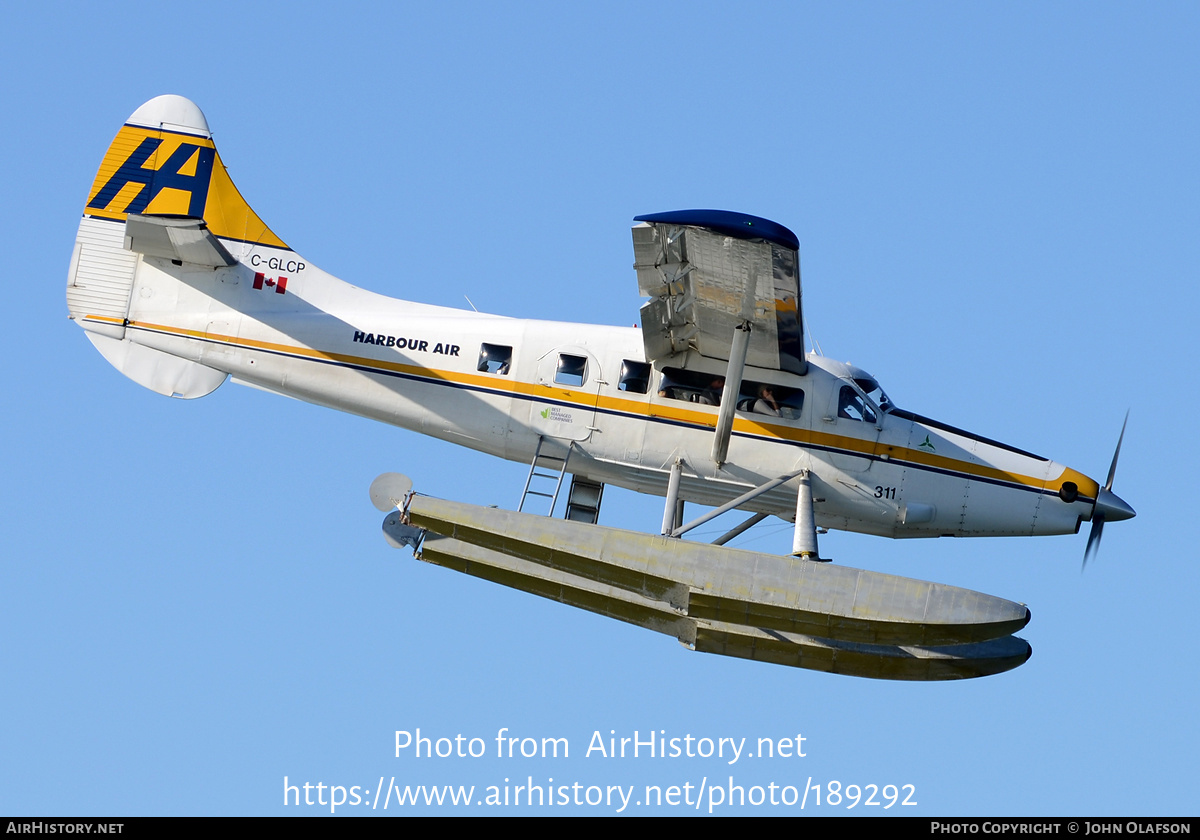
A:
<point x="712" y="400"/>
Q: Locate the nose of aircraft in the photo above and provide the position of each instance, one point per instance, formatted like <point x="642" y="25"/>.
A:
<point x="1111" y="507"/>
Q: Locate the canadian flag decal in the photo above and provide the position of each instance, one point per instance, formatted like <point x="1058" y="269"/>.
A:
<point x="280" y="283"/>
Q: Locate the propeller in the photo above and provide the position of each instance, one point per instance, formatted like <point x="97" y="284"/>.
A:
<point x="1109" y="506"/>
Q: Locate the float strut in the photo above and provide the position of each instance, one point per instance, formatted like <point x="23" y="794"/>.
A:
<point x="804" y="542"/>
<point x="680" y="530"/>
<point x="740" y="529"/>
<point x="671" y="508"/>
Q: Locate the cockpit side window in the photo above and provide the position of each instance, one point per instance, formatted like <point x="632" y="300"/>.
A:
<point x="871" y="388"/>
<point x="852" y="406"/>
<point x="495" y="358"/>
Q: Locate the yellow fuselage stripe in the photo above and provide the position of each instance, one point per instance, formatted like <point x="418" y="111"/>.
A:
<point x="745" y="426"/>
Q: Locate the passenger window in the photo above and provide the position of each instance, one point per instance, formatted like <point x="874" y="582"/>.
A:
<point x="635" y="377"/>
<point x="692" y="386"/>
<point x="572" y="370"/>
<point x="495" y="358"/>
<point x="852" y="407"/>
<point x="771" y="400"/>
<point x="792" y="405"/>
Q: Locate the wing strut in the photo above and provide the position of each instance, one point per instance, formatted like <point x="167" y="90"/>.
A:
<point x="731" y="392"/>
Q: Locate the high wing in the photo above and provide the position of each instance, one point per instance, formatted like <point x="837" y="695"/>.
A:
<point x="725" y="285"/>
<point x="711" y="272"/>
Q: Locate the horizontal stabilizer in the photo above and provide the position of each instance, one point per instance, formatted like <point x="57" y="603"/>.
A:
<point x="186" y="240"/>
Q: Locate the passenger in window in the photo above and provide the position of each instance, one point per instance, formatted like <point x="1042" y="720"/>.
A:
<point x="494" y="358"/>
<point x="667" y="388"/>
<point x="766" y="404"/>
<point x="712" y="394"/>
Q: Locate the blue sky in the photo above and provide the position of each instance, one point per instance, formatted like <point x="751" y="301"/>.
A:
<point x="997" y="205"/>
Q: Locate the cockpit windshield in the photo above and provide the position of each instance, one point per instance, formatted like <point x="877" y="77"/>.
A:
<point x="871" y="388"/>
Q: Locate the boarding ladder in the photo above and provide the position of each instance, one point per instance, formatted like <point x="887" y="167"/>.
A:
<point x="545" y="467"/>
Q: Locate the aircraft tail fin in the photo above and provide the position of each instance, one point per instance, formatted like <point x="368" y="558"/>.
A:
<point x="161" y="191"/>
<point x="163" y="162"/>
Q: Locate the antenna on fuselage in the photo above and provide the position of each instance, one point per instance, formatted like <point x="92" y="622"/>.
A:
<point x="816" y="345"/>
<point x="469" y="301"/>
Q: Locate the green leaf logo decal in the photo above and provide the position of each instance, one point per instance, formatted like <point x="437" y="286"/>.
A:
<point x="545" y="412"/>
<point x="925" y="444"/>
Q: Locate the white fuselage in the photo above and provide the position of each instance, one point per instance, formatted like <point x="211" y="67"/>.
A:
<point x="419" y="367"/>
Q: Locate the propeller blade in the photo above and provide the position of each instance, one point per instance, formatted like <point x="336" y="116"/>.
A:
<point x="1112" y="470"/>
<point x="1093" y="543"/>
<point x="1107" y="503"/>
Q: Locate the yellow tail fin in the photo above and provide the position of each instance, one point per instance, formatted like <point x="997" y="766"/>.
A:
<point x="163" y="162"/>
